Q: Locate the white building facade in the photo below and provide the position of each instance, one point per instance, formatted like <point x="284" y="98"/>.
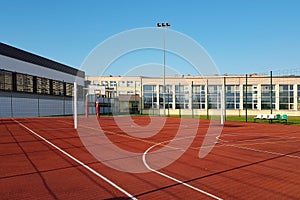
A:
<point x="254" y="94"/>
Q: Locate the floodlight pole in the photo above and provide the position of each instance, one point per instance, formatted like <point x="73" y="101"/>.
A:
<point x="164" y="25"/>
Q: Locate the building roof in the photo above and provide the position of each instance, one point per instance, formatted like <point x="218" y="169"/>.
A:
<point x="20" y="54"/>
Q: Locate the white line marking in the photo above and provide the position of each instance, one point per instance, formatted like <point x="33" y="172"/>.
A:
<point x="223" y="142"/>
<point x="172" y="178"/>
<point x="260" y="151"/>
<point x="79" y="162"/>
<point x="251" y="134"/>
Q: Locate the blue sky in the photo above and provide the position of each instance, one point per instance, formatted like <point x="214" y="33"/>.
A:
<point x="240" y="36"/>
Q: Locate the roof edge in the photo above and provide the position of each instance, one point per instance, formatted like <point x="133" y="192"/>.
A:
<point x="26" y="56"/>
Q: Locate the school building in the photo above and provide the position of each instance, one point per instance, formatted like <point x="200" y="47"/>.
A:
<point x="256" y="93"/>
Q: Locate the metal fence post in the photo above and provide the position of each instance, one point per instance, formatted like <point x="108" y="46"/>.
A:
<point x="271" y="92"/>
<point x="192" y="99"/>
<point x="246" y="96"/>
<point x="207" y="103"/>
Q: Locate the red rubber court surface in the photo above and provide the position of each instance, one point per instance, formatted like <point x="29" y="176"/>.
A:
<point x="44" y="158"/>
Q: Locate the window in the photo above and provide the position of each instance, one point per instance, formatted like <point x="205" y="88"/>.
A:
<point x="198" y="97"/>
<point x="38" y="85"/>
<point x="5" y="80"/>
<point x="250" y="98"/>
<point x="69" y="89"/>
<point x="113" y="83"/>
<point x="150" y="96"/>
<point x="286" y="97"/>
<point x="104" y="83"/>
<point x="232" y="97"/>
<point x="24" y="83"/>
<point x="122" y="83"/>
<point x="58" y="88"/>
<point x="43" y="85"/>
<point x="149" y="88"/>
<point x="214" y="96"/>
<point x="267" y="97"/>
<point x="130" y="84"/>
<point x="168" y="96"/>
<point x="181" y="97"/>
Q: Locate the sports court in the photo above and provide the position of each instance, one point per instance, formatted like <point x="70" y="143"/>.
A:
<point x="44" y="158"/>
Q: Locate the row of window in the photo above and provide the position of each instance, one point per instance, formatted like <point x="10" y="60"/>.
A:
<point x="117" y="84"/>
<point x="232" y="96"/>
<point x="17" y="82"/>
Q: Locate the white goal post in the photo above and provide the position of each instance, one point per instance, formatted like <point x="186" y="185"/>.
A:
<point x="75" y="105"/>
